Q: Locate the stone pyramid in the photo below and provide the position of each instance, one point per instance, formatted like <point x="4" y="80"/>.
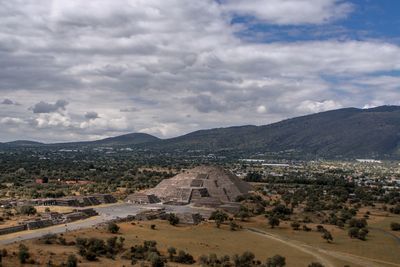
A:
<point x="208" y="185"/>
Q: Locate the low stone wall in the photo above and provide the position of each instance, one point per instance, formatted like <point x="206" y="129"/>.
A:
<point x="12" y="229"/>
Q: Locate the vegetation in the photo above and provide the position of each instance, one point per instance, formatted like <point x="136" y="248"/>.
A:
<point x="112" y="227"/>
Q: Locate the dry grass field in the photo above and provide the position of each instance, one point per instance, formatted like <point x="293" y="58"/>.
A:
<point x="299" y="247"/>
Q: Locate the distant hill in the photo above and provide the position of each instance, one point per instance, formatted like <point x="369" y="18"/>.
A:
<point x="22" y="143"/>
<point x="126" y="139"/>
<point x="349" y="133"/>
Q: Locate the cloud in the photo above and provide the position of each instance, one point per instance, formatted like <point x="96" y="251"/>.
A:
<point x="91" y="115"/>
<point x="146" y="65"/>
<point x="7" y="101"/>
<point x="44" y="107"/>
<point x="290" y="12"/>
<point x="205" y="103"/>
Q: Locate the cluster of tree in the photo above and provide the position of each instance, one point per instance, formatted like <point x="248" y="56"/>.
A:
<point x="246" y="259"/>
<point x="358" y="228"/>
<point x="219" y="217"/>
<point x="27" y="210"/>
<point x="91" y="248"/>
<point x="172" y="219"/>
<point x="395" y="226"/>
<point x="113" y="228"/>
<point x="148" y="252"/>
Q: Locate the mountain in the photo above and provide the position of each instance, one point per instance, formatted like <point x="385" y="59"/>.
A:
<point x="348" y="132"/>
<point x="342" y="133"/>
<point x="22" y="143"/>
<point x="126" y="139"/>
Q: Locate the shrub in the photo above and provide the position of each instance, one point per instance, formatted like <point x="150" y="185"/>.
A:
<point x="173" y="219"/>
<point x="315" y="264"/>
<point x="113" y="228"/>
<point x="72" y="261"/>
<point x="295" y="226"/>
<point x="27" y="210"/>
<point x="276" y="261"/>
<point x="23" y="254"/>
<point x="219" y="217"/>
<point x="395" y="226"/>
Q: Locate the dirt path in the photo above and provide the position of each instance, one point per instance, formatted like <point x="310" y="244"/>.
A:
<point x="320" y="254"/>
<point x="312" y="252"/>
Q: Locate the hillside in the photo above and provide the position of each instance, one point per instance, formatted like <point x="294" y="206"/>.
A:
<point x="348" y="132"/>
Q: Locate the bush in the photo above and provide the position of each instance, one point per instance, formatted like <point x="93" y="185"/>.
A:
<point x="295" y="226"/>
<point x="27" y="210"/>
<point x="244" y="260"/>
<point x="276" y="261"/>
<point x="184" y="257"/>
<point x="273" y="221"/>
<point x="113" y="228"/>
<point x="155" y="260"/>
<point x="72" y="261"/>
<point x="23" y="254"/>
<point x="395" y="226"/>
<point x="173" y="219"/>
<point x="315" y="264"/>
<point x="219" y="217"/>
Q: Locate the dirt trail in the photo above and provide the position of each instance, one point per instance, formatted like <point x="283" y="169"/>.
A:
<point x="320" y="254"/>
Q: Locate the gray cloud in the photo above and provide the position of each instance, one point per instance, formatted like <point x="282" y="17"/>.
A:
<point x="144" y="65"/>
<point x="7" y="101"/>
<point x="44" y="107"/>
<point x="91" y="115"/>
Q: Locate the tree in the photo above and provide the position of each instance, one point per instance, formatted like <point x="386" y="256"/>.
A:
<point x="171" y="252"/>
<point x="219" y="217"/>
<point x="315" y="264"/>
<point x="23" y="253"/>
<point x="295" y="226"/>
<point x="276" y="261"/>
<point x="173" y="219"/>
<point x="362" y="234"/>
<point x="327" y="236"/>
<point x="395" y="226"/>
<point x="27" y="210"/>
<point x="273" y="221"/>
<point x="72" y="261"/>
<point x="113" y="227"/>
<point x="244" y="260"/>
<point x="155" y="260"/>
<point x="353" y="232"/>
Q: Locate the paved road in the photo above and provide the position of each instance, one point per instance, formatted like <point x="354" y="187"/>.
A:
<point x="106" y="214"/>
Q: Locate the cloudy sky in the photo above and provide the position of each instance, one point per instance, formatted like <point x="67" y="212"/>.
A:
<point x="83" y="70"/>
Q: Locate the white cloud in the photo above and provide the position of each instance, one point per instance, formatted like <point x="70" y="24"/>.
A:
<point x="171" y="67"/>
<point x="290" y="12"/>
<point x="261" y="109"/>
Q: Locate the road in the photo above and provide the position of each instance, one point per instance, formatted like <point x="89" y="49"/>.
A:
<point x="106" y="214"/>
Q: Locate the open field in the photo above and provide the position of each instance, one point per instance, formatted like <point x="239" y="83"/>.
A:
<point x="381" y="247"/>
<point x="197" y="240"/>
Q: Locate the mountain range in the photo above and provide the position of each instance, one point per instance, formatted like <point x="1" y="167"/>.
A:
<point x="348" y="132"/>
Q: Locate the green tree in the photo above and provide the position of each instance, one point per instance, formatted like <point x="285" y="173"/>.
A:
<point x="273" y="221"/>
<point x="171" y="252"/>
<point x="72" y="261"/>
<point x="219" y="217"/>
<point x="315" y="264"/>
<point x="276" y="261"/>
<point x="23" y="253"/>
<point x="327" y="236"/>
<point x="173" y="219"/>
<point x="113" y="227"/>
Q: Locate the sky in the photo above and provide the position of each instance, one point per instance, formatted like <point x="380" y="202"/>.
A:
<point x="84" y="70"/>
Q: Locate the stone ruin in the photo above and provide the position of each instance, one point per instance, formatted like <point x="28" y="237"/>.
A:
<point x="201" y="186"/>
